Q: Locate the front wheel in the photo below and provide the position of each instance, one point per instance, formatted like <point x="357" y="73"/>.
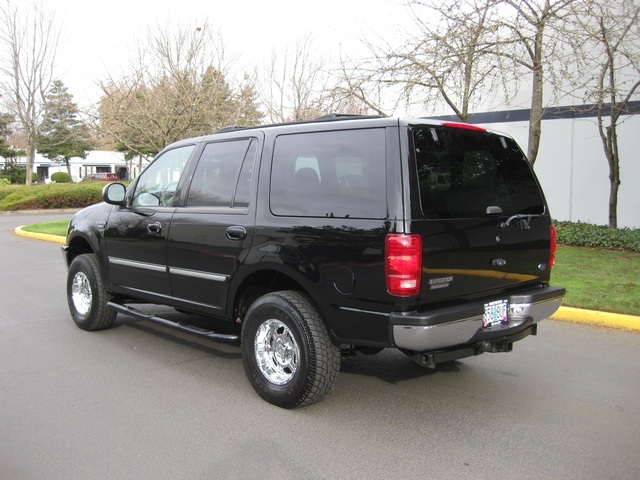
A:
<point x="87" y="296"/>
<point x="286" y="350"/>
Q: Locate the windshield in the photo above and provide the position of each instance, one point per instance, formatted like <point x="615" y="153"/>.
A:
<point x="462" y="173"/>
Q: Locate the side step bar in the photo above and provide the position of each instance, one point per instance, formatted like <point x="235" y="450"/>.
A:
<point x="132" y="312"/>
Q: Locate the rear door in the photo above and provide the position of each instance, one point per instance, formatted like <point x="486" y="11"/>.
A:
<point x="211" y="231"/>
<point x="480" y="211"/>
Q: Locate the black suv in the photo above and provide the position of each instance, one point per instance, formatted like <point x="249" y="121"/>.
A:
<point x="315" y="239"/>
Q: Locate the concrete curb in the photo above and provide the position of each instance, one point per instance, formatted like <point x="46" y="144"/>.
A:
<point x="591" y="317"/>
<point x="40" y="236"/>
<point x="565" y="314"/>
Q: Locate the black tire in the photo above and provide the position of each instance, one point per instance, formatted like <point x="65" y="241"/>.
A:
<point x="86" y="295"/>
<point x="287" y="353"/>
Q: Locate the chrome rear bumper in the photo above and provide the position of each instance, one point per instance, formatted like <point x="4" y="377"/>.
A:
<point x="463" y="325"/>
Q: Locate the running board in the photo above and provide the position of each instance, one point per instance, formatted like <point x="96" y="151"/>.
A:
<point x="127" y="310"/>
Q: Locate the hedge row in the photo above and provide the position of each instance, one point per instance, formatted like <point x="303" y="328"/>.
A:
<point x="598" y="236"/>
<point x="53" y="195"/>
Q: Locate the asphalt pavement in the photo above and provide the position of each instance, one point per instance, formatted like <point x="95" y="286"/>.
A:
<point x="144" y="402"/>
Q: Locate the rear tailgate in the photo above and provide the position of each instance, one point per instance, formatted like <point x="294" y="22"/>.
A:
<point x="474" y="257"/>
<point x="480" y="211"/>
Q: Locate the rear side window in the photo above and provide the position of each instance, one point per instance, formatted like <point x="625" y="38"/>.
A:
<point x="330" y="174"/>
<point x="223" y="174"/>
<point x="462" y="173"/>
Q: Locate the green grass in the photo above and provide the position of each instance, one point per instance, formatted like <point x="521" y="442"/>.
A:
<point x="605" y="280"/>
<point x="58" y="227"/>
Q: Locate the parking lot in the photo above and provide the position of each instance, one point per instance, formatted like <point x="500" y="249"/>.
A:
<point x="144" y="402"/>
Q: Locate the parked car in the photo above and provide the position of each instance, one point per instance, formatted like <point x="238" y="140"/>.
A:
<point x="101" y="177"/>
<point x="316" y="239"/>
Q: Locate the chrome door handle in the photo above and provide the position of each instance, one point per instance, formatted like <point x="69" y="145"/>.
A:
<point x="236" y="232"/>
<point x="154" y="228"/>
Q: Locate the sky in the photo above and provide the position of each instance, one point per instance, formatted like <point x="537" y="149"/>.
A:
<point x="98" y="35"/>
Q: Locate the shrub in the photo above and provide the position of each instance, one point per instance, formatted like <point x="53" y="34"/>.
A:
<point x="61" y="177"/>
<point x="597" y="236"/>
<point x="53" y="195"/>
<point x="4" y="181"/>
<point x="15" y="173"/>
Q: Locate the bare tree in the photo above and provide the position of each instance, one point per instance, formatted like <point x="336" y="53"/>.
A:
<point x="611" y="68"/>
<point x="446" y="59"/>
<point x="295" y="83"/>
<point x="28" y="43"/>
<point x="176" y="87"/>
<point x="448" y="54"/>
<point x="531" y="37"/>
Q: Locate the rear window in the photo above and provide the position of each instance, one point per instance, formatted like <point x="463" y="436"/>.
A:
<point x="463" y="173"/>
<point x="330" y="174"/>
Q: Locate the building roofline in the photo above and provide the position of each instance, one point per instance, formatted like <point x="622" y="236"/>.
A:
<point x="549" y="113"/>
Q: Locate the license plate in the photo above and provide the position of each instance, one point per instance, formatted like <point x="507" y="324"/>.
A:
<point x="495" y="313"/>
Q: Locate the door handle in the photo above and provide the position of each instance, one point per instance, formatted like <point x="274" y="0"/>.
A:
<point x="236" y="232"/>
<point x="154" y="228"/>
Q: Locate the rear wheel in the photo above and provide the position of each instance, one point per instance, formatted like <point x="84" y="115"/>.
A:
<point x="286" y="350"/>
<point x="86" y="295"/>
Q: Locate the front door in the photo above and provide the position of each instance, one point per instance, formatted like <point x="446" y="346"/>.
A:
<point x="136" y="235"/>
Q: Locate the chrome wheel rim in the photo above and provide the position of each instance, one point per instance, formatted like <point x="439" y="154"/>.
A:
<point x="81" y="294"/>
<point x="276" y="352"/>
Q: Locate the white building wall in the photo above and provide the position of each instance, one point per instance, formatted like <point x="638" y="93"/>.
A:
<point x="574" y="172"/>
<point x="97" y="160"/>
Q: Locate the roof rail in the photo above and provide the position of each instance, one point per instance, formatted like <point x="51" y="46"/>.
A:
<point x="230" y="128"/>
<point x="322" y="118"/>
<point x="338" y="116"/>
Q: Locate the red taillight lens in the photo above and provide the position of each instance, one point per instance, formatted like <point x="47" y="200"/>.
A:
<point x="553" y="244"/>
<point x="403" y="264"/>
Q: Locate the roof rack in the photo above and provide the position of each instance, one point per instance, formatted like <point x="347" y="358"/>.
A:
<point x="322" y="118"/>
<point x="230" y="128"/>
<point x="339" y="116"/>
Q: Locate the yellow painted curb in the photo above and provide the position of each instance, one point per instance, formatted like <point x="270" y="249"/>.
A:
<point x="592" y="317"/>
<point x="40" y="236"/>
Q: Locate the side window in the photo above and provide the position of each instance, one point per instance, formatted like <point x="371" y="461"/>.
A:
<point x="223" y="174"/>
<point x="330" y="174"/>
<point x="157" y="184"/>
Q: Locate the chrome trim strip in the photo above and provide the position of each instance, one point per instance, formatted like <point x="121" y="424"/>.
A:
<point x="358" y="310"/>
<point x="154" y="267"/>
<point x="216" y="277"/>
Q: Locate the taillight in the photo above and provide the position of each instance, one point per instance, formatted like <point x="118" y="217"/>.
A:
<point x="403" y="264"/>
<point x="553" y="244"/>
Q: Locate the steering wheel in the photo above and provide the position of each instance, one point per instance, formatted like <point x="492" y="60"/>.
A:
<point x="168" y="191"/>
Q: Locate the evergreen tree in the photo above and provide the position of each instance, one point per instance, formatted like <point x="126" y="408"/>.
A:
<point x="6" y="151"/>
<point x="62" y="134"/>
<point x="11" y="172"/>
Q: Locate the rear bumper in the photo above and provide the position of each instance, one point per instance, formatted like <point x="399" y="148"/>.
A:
<point x="462" y="325"/>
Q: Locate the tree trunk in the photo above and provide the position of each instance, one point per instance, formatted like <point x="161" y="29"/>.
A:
<point x="614" y="173"/>
<point x="30" y="160"/>
<point x="535" y="116"/>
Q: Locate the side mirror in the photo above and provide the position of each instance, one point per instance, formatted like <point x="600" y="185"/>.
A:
<point x="114" y="194"/>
